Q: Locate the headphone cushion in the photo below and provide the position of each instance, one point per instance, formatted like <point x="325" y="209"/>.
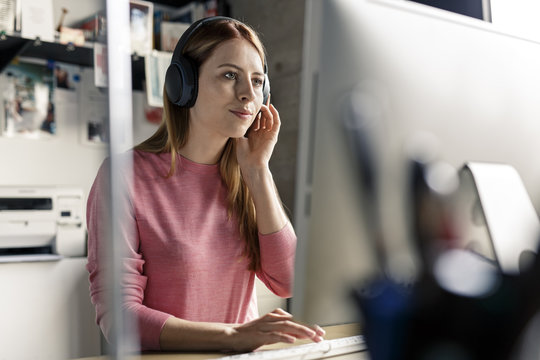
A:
<point x="173" y="79"/>
<point x="181" y="82"/>
<point x="266" y="89"/>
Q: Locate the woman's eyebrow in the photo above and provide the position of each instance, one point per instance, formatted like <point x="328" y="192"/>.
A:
<point x="237" y="68"/>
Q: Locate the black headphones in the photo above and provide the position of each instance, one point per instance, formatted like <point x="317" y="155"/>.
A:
<point x="182" y="77"/>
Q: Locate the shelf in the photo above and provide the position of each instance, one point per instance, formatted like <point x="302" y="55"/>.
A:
<point x="83" y="56"/>
<point x="175" y="3"/>
<point x="12" y="46"/>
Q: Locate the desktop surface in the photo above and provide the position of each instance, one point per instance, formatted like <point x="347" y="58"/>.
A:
<point x="332" y="332"/>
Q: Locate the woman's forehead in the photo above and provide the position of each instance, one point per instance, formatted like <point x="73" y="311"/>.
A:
<point x="238" y="52"/>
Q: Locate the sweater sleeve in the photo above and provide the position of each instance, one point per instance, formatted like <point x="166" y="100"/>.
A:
<point x="277" y="260"/>
<point x="150" y="322"/>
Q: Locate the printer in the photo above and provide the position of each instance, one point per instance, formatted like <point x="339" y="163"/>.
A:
<point x="48" y="219"/>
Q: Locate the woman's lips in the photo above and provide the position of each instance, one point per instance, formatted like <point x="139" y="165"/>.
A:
<point x="242" y="114"/>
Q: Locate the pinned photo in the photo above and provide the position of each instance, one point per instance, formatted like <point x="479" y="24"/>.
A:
<point x="27" y="92"/>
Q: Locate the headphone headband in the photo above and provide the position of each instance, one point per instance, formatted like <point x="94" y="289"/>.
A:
<point x="182" y="77"/>
<point x="192" y="29"/>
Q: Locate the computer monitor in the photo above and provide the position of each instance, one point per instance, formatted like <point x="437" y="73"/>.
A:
<point x="398" y="71"/>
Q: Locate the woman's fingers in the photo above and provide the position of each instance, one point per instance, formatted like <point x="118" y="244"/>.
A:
<point x="257" y="123"/>
<point x="265" y="115"/>
<point x="289" y="327"/>
<point x="319" y="330"/>
<point x="281" y="312"/>
<point x="276" y="326"/>
<point x="276" y="121"/>
<point x="281" y="321"/>
<point x="269" y="117"/>
<point x="275" y="337"/>
<point x="316" y="328"/>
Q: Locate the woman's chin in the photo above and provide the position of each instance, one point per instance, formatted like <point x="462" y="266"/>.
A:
<point x="241" y="133"/>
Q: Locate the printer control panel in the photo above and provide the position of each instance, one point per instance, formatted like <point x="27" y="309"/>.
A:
<point x="69" y="209"/>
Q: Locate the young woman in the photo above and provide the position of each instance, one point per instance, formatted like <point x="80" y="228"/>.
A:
<point x="204" y="215"/>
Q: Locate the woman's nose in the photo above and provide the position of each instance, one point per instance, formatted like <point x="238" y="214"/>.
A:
<point x="245" y="90"/>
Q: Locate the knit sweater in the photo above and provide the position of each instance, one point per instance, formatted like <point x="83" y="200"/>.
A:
<point x="183" y="254"/>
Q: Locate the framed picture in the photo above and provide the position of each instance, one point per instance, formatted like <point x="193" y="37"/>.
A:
<point x="27" y="88"/>
<point x="67" y="76"/>
<point x="171" y="33"/>
<point x="140" y="19"/>
<point x="93" y="111"/>
<point x="156" y="65"/>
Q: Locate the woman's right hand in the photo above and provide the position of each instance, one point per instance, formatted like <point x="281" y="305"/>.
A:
<point x="276" y="326"/>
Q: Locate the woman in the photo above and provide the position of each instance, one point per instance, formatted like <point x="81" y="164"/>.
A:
<point x="205" y="214"/>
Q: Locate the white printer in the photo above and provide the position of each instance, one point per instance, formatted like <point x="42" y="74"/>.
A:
<point x="46" y="218"/>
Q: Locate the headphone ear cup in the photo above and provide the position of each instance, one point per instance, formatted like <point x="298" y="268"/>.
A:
<point x="181" y="82"/>
<point x="173" y="79"/>
<point x="266" y="89"/>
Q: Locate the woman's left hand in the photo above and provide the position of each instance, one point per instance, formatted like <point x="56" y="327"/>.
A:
<point x="255" y="150"/>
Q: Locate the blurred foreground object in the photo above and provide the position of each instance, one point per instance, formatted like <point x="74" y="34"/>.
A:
<point x="466" y="303"/>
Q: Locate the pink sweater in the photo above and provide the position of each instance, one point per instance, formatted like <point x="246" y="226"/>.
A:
<point x="184" y="255"/>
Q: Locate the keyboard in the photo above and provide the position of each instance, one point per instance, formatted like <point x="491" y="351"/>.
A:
<point x="320" y="350"/>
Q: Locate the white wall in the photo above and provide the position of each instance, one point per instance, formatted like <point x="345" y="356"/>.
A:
<point x="59" y="160"/>
<point x="142" y="129"/>
<point x="63" y="159"/>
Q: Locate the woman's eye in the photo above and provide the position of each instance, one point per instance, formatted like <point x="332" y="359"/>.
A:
<point x="258" y="82"/>
<point x="231" y="75"/>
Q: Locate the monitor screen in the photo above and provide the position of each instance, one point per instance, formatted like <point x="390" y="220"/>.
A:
<point x="405" y="74"/>
<point x="476" y="8"/>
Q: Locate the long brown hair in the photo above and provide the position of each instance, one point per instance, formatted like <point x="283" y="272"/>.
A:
<point x="174" y="130"/>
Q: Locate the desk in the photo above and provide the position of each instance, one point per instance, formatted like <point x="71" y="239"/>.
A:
<point x="332" y="332"/>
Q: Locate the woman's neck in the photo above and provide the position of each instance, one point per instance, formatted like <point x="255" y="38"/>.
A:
<point x="202" y="152"/>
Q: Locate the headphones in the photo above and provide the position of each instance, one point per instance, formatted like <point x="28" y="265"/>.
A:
<point x="182" y="77"/>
